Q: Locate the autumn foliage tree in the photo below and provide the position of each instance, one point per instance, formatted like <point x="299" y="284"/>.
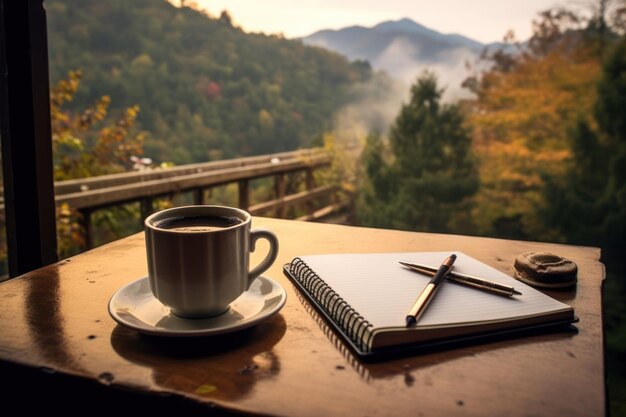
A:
<point x="588" y="203"/>
<point x="86" y="144"/>
<point x="520" y="120"/>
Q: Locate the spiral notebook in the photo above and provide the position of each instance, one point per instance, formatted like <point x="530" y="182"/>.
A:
<point x="365" y="297"/>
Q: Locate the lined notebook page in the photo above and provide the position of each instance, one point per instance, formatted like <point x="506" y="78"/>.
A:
<point x="383" y="291"/>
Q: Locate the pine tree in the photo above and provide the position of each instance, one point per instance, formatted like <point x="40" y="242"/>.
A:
<point x="589" y="204"/>
<point x="431" y="174"/>
<point x="377" y="187"/>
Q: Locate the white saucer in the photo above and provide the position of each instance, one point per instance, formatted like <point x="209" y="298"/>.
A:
<point x="134" y="306"/>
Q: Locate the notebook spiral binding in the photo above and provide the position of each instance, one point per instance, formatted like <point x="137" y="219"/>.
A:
<point x="353" y="325"/>
<point x="341" y="346"/>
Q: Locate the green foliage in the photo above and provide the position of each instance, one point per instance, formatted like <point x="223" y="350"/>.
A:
<point x="376" y="188"/>
<point x="426" y="183"/>
<point x="588" y="204"/>
<point x="88" y="143"/>
<point x="525" y="102"/>
<point x="206" y="89"/>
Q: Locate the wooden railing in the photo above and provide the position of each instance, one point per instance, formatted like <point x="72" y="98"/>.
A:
<point x="94" y="193"/>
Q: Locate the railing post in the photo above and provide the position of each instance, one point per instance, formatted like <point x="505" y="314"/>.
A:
<point x="85" y="221"/>
<point x="310" y="179"/>
<point x="279" y="188"/>
<point x="198" y="196"/>
<point x="145" y="207"/>
<point x="244" y="194"/>
<point x="310" y="184"/>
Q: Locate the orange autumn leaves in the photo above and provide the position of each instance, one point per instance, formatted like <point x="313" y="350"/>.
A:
<point x="520" y="124"/>
<point x="80" y="149"/>
<point x="87" y="143"/>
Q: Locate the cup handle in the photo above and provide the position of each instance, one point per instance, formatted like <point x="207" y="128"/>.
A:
<point x="271" y="256"/>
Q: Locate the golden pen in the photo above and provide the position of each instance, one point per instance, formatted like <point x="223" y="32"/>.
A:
<point x="469" y="280"/>
<point x="427" y="294"/>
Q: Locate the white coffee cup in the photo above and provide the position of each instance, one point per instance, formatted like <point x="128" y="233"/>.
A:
<point x="198" y="257"/>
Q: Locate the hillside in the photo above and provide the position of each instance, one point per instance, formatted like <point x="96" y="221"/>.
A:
<point x="206" y="89"/>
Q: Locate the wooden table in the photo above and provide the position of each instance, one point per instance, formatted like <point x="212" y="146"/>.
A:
<point x="58" y="343"/>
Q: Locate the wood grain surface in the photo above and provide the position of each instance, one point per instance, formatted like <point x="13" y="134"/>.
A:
<point x="55" y="321"/>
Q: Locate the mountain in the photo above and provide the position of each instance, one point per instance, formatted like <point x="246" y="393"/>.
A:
<point x="206" y="89"/>
<point x="409" y="26"/>
<point x="403" y="48"/>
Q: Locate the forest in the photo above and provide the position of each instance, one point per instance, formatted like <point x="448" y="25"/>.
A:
<point x="205" y="90"/>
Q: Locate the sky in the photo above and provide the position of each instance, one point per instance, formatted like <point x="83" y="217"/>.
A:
<point x="482" y="20"/>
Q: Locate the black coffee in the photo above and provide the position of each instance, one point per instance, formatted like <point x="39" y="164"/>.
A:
<point x="198" y="224"/>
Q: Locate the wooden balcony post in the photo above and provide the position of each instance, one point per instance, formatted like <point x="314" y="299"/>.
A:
<point x="26" y="136"/>
<point x="85" y="222"/>
<point x="198" y="196"/>
<point x="244" y="194"/>
<point x="145" y="207"/>
<point x="310" y="179"/>
<point x="279" y="188"/>
<point x="310" y="184"/>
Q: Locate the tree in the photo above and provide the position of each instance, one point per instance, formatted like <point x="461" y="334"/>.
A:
<point x="588" y="205"/>
<point x="377" y="185"/>
<point x="81" y="150"/>
<point x="430" y="174"/>
<point x="520" y="120"/>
